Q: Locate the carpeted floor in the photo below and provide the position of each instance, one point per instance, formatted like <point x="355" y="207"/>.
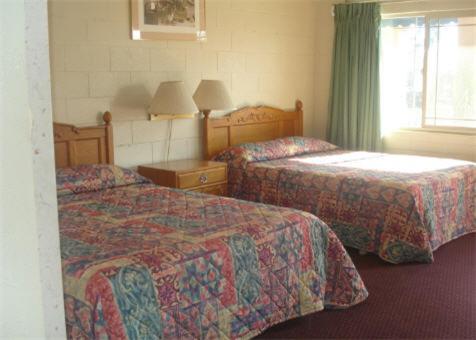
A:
<point x="406" y="301"/>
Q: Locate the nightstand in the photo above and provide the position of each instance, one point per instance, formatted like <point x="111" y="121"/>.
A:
<point x="195" y="175"/>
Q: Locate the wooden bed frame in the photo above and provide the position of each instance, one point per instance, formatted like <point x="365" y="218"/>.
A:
<point x="250" y="124"/>
<point x="83" y="145"/>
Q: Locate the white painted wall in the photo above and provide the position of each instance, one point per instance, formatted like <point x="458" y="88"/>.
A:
<point x="264" y="50"/>
<point x="39" y="95"/>
<point x="31" y="302"/>
<point x="430" y="143"/>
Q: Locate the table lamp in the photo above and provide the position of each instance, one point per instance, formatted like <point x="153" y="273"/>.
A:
<point x="212" y="95"/>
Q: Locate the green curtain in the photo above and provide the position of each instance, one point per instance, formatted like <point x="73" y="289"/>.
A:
<point x="354" y="107"/>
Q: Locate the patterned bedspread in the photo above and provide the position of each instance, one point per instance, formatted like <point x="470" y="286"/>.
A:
<point x="146" y="262"/>
<point x="400" y="207"/>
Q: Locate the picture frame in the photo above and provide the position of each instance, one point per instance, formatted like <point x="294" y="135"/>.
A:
<point x="168" y="20"/>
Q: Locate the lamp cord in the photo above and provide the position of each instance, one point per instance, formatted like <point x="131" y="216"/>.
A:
<point x="170" y="137"/>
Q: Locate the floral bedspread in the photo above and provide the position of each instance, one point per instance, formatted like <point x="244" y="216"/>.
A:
<point x="399" y="207"/>
<point x="144" y="262"/>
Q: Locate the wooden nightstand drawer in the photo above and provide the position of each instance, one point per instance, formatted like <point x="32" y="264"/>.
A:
<point x="200" y="178"/>
<point x="219" y="190"/>
<point x="189" y="174"/>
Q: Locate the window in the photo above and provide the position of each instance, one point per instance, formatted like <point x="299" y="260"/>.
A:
<point x="428" y="72"/>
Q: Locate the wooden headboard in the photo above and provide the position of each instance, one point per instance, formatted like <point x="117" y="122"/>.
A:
<point x="250" y="124"/>
<point x="83" y="145"/>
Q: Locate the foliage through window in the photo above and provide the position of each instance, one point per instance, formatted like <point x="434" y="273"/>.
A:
<point x="428" y="72"/>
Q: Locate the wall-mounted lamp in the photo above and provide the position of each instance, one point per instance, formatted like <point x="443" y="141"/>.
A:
<point x="172" y="101"/>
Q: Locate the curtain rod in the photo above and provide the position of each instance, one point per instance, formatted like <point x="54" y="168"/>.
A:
<point x="350" y="2"/>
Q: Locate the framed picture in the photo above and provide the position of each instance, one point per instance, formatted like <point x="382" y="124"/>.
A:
<point x="168" y="19"/>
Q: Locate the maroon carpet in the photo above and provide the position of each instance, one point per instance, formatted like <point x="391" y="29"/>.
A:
<point x="406" y="301"/>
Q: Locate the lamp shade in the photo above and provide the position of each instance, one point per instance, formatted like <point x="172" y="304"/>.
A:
<point x="212" y="95"/>
<point x="172" y="98"/>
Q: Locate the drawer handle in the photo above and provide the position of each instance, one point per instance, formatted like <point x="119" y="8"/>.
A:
<point x="203" y="178"/>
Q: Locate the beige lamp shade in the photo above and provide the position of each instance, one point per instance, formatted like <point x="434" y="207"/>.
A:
<point x="172" y="100"/>
<point x="212" y="95"/>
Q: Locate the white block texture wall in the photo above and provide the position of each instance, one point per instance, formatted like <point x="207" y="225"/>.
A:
<point x="264" y="50"/>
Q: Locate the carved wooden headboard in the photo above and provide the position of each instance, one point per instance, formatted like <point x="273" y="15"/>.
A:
<point x="83" y="145"/>
<point x="250" y="124"/>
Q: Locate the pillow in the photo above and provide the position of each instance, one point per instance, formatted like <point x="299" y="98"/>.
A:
<point x="234" y="156"/>
<point x="306" y="145"/>
<point x="94" y="177"/>
<point x="273" y="149"/>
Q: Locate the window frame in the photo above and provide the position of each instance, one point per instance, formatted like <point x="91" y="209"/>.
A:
<point x="428" y="16"/>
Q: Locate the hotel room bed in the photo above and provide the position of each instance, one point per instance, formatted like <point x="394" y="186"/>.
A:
<point x="144" y="261"/>
<point x="399" y="207"/>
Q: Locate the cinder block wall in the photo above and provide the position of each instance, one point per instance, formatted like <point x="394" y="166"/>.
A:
<point x="266" y="51"/>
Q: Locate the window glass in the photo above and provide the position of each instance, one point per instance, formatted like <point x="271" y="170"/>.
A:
<point x="402" y="53"/>
<point x="450" y="79"/>
<point x="451" y="74"/>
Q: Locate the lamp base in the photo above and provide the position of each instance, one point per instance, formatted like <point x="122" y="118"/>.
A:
<point x="153" y="116"/>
